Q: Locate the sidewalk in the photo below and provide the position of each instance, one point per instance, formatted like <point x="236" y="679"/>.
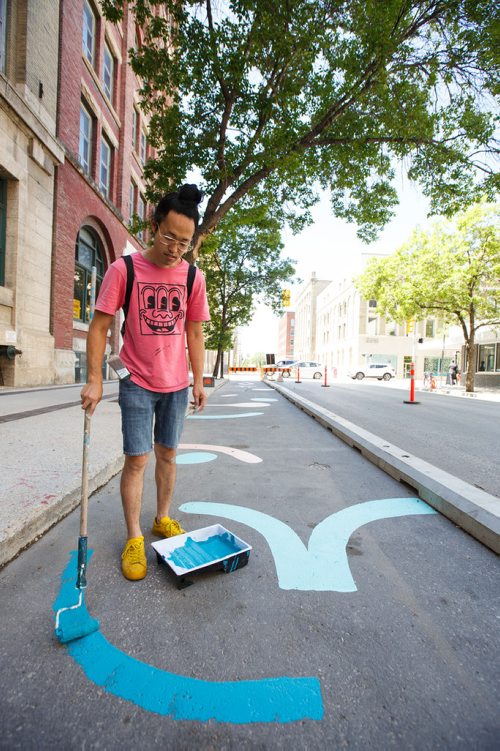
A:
<point x="42" y="468"/>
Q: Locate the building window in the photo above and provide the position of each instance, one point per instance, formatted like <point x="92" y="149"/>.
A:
<point x="135" y="119"/>
<point x="430" y="326"/>
<point x="132" y="199"/>
<point x="108" y="73"/>
<point x="85" y="148"/>
<point x="3" y="228"/>
<point x="89" y="33"/>
<point x="105" y="166"/>
<point x="141" y="211"/>
<point x="486" y="358"/>
<point x="3" y="34"/>
<point x="87" y="254"/>
<point x="372" y="303"/>
<point x="144" y="144"/>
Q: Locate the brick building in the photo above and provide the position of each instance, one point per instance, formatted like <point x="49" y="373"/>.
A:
<point x="100" y="186"/>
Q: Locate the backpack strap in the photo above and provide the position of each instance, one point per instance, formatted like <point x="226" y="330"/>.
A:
<point x="128" y="291"/>
<point x="190" y="279"/>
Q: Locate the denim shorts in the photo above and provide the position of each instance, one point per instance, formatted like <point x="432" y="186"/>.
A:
<point x="142" y="408"/>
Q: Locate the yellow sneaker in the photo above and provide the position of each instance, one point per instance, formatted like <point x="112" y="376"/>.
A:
<point x="167" y="527"/>
<point x="134" y="563"/>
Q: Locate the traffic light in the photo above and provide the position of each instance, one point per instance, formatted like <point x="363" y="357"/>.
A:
<point x="410" y="327"/>
<point x="285" y="298"/>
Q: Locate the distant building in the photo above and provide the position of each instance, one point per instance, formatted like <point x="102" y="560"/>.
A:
<point x="286" y="336"/>
<point x="305" y="318"/>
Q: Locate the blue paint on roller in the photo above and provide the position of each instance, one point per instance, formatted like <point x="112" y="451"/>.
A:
<point x="195" y="457"/>
<point x="279" y="699"/>
<point x="223" y="417"/>
<point x="323" y="566"/>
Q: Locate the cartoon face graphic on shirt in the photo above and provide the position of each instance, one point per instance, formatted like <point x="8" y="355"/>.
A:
<point x="161" y="308"/>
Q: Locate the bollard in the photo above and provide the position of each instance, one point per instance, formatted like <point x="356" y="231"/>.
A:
<point x="412" y="386"/>
<point x="325" y="384"/>
<point x="298" y="376"/>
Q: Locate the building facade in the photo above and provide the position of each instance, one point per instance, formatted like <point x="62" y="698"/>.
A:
<point x="100" y="186"/>
<point x="305" y="318"/>
<point x="286" y="336"/>
<point x="29" y="157"/>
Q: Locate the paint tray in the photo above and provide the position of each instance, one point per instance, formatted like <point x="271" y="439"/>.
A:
<point x="212" y="548"/>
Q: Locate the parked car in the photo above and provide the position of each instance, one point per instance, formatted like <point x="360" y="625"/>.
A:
<point x="381" y="371"/>
<point x="284" y="363"/>
<point x="309" y="369"/>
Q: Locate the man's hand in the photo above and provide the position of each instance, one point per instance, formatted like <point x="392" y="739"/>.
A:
<point x="91" y="395"/>
<point x="199" y="397"/>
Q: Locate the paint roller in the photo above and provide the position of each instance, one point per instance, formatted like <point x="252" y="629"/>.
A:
<point x="74" y="622"/>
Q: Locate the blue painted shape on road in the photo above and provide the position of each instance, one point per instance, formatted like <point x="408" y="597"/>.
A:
<point x="279" y="699"/>
<point x="323" y="566"/>
<point x="223" y="417"/>
<point x="195" y="457"/>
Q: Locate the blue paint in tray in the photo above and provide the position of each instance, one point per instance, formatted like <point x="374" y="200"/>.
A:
<point x="196" y="553"/>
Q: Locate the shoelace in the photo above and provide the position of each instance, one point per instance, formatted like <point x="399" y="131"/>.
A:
<point x="173" y="526"/>
<point x="134" y="552"/>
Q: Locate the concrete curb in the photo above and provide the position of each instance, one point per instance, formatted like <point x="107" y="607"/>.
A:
<point x="472" y="509"/>
<point x="105" y="462"/>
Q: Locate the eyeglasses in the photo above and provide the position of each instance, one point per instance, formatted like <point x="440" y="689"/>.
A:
<point x="169" y="240"/>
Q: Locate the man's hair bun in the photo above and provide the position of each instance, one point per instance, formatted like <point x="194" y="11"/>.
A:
<point x="190" y="194"/>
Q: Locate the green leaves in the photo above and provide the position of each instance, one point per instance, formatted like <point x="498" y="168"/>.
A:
<point x="295" y="94"/>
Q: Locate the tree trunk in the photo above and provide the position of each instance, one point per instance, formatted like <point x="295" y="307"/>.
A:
<point x="471" y="363"/>
<point x="217" y="363"/>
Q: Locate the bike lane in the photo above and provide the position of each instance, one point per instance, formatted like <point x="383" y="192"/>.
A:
<point x="337" y="630"/>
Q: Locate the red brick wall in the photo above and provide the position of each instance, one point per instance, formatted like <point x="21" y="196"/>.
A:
<point x="78" y="200"/>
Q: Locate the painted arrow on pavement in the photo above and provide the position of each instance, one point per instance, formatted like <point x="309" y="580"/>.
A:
<point x="323" y="566"/>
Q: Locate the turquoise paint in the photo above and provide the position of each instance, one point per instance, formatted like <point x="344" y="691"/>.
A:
<point x="195" y="457"/>
<point x="323" y="566"/>
<point x="223" y="417"/>
<point x="196" y="553"/>
<point x="267" y="700"/>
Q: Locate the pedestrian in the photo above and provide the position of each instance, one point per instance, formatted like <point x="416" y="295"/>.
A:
<point x="153" y="387"/>
<point x="451" y="378"/>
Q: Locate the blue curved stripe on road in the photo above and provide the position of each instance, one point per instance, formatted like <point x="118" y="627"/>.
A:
<point x="223" y="417"/>
<point x="195" y="457"/>
<point x="279" y="699"/>
<point x="323" y="566"/>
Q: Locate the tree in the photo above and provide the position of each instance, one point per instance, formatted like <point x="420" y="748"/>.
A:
<point x="241" y="263"/>
<point x="453" y="270"/>
<point x="272" y="99"/>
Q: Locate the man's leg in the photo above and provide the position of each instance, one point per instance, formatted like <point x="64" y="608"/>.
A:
<point x="165" y="474"/>
<point x="131" y="487"/>
<point x="169" y="421"/>
<point x="137" y="407"/>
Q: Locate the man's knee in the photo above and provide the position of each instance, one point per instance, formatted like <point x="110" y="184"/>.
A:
<point x="136" y="463"/>
<point x="165" y="454"/>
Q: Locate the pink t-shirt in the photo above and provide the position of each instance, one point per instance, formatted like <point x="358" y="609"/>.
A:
<point x="154" y="346"/>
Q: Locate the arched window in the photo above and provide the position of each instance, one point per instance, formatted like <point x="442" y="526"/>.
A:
<point x="87" y="254"/>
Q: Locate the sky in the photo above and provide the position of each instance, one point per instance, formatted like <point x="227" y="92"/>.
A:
<point x="330" y="248"/>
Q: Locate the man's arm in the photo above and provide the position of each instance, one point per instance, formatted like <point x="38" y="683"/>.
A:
<point x="196" y="350"/>
<point x="91" y="393"/>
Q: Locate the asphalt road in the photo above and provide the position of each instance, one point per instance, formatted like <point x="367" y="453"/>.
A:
<point x="458" y="435"/>
<point x="400" y="656"/>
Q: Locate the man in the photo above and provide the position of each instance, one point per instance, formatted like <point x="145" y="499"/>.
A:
<point x="160" y="319"/>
